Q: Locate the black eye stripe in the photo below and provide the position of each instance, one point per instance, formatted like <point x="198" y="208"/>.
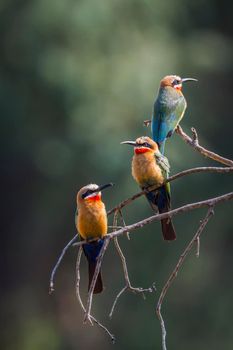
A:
<point x="176" y="82"/>
<point x="146" y="144"/>
<point x="84" y="195"/>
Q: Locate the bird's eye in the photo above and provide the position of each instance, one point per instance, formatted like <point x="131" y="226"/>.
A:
<point x="176" y="82"/>
<point x="87" y="193"/>
<point x="146" y="144"/>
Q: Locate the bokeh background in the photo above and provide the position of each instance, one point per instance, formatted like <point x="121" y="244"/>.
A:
<point x="76" y="78"/>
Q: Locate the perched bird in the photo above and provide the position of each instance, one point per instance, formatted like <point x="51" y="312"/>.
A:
<point x="91" y="223"/>
<point x="169" y="108"/>
<point x="150" y="167"/>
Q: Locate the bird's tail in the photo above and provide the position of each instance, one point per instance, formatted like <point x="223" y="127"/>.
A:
<point x="161" y="199"/>
<point x="159" y="133"/>
<point x="92" y="250"/>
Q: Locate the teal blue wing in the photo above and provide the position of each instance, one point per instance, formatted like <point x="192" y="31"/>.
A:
<point x="163" y="163"/>
<point x="166" y="119"/>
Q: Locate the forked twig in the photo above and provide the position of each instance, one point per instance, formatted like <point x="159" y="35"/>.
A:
<point x="123" y="222"/>
<point x="174" y="273"/>
<point x="80" y="300"/>
<point x="193" y="142"/>
<point x="128" y="285"/>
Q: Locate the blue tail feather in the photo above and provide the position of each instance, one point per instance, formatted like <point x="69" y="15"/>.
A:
<point x="161" y="199"/>
<point x="92" y="250"/>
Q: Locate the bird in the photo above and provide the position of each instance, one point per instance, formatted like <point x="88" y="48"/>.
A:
<point x="92" y="225"/>
<point x="169" y="108"/>
<point x="149" y="168"/>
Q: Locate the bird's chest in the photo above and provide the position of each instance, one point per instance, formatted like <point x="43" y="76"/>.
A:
<point x="92" y="221"/>
<point x="171" y="103"/>
<point x="145" y="170"/>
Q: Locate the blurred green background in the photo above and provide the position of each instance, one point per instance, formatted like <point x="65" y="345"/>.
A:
<point x="76" y="78"/>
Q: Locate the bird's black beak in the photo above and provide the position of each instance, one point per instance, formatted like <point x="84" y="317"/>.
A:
<point x="188" y="79"/>
<point x="132" y="143"/>
<point x="101" y="188"/>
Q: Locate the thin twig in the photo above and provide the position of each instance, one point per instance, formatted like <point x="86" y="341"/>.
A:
<point x="175" y="272"/>
<point x="123" y="222"/>
<point x="80" y="300"/>
<point x="205" y="152"/>
<point x="116" y="300"/>
<point x="87" y="316"/>
<point x="198" y="247"/>
<point x="51" y="282"/>
<point x="128" y="285"/>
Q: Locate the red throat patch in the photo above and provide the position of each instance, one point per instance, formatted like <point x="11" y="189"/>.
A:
<point x="178" y="87"/>
<point x="140" y="150"/>
<point x="96" y="197"/>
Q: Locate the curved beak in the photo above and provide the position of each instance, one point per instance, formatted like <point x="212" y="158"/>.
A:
<point x="101" y="188"/>
<point x="132" y="143"/>
<point x="188" y="79"/>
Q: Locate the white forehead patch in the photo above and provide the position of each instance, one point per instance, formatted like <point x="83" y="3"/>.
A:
<point x="92" y="187"/>
<point x="176" y="77"/>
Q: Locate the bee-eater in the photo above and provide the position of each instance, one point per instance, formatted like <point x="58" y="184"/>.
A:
<point x="149" y="168"/>
<point x="169" y="108"/>
<point x="91" y="223"/>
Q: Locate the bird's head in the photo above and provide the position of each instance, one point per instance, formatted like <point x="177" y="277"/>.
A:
<point x="142" y="144"/>
<point x="174" y="81"/>
<point x="91" y="192"/>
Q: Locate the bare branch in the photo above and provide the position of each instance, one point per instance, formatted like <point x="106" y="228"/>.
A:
<point x="128" y="286"/>
<point x="87" y="316"/>
<point x="203" y="169"/>
<point x="157" y="217"/>
<point x="193" y="142"/>
<point x="79" y="296"/>
<point x="170" y="179"/>
<point x="169" y="214"/>
<point x="116" y="300"/>
<point x="51" y="283"/>
<point x="175" y="272"/>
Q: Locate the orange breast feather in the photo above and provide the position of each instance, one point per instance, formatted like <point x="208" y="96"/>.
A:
<point x="145" y="170"/>
<point x="92" y="220"/>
